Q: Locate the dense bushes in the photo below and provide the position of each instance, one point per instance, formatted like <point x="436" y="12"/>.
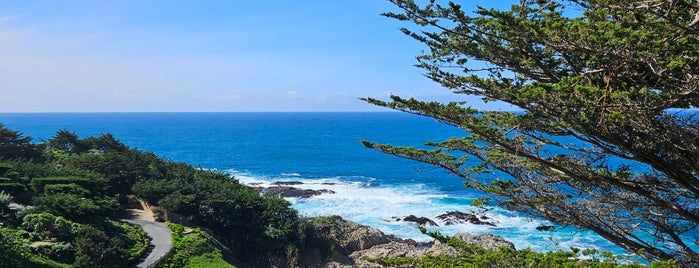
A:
<point x="214" y="200"/>
<point x="11" y="252"/>
<point x="46" y="226"/>
<point x="140" y="239"/>
<point x="76" y="185"/>
<point x="106" y="243"/>
<point x="76" y="207"/>
<point x="95" y="185"/>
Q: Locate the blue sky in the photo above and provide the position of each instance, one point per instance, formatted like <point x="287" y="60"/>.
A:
<point x="203" y="56"/>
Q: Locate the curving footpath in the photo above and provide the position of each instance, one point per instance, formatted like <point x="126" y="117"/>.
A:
<point x="161" y="240"/>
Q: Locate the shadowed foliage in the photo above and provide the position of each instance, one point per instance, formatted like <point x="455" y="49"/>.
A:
<point x="608" y="133"/>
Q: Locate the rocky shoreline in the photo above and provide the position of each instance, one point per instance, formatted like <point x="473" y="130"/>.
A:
<point x="284" y="189"/>
<point x="354" y="244"/>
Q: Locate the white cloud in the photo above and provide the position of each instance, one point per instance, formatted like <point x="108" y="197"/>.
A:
<point x="218" y="97"/>
<point x="292" y="95"/>
<point x="131" y="97"/>
<point x="6" y="19"/>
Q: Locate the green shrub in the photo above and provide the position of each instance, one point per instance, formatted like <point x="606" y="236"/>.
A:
<point x="13" y="187"/>
<point x="281" y="219"/>
<point x="46" y="226"/>
<point x="208" y="260"/>
<point x="76" y="207"/>
<point x="61" y="252"/>
<point x="95" y="247"/>
<point x="194" y="249"/>
<point x="153" y="191"/>
<point x="70" y="188"/>
<point x="5" y="167"/>
<point x="92" y="184"/>
<point x="89" y="246"/>
<point x="140" y="241"/>
<point x="5" y="198"/>
<point x="13" y="254"/>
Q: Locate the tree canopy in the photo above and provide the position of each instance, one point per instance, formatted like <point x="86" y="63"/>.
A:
<point x="607" y="132"/>
<point x="13" y="144"/>
<point x="71" y="192"/>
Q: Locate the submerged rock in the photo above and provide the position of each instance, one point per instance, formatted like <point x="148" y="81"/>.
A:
<point x="281" y="183"/>
<point x="285" y="191"/>
<point x="419" y="221"/>
<point x="458" y="217"/>
<point x="549" y="228"/>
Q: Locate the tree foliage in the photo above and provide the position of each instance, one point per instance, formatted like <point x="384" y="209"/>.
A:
<point x="608" y="133"/>
<point x="215" y="201"/>
<point x="13" y="144"/>
<point x="66" y="141"/>
<point x="69" y="142"/>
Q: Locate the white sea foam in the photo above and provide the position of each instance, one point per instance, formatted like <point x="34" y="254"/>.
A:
<point x="358" y="199"/>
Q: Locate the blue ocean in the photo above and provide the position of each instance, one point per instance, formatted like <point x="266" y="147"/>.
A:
<point x="322" y="150"/>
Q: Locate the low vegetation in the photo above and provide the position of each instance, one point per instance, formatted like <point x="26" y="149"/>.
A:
<point x="192" y="247"/>
<point x="473" y="256"/>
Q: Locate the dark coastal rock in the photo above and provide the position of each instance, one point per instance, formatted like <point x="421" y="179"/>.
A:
<point x="282" y="183"/>
<point x="420" y="221"/>
<point x="458" y="217"/>
<point x="549" y="228"/>
<point x="285" y="191"/>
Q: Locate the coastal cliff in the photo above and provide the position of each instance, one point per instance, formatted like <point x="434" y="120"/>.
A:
<point x="344" y="244"/>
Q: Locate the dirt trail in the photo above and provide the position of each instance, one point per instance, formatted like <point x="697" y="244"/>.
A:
<point x="143" y="213"/>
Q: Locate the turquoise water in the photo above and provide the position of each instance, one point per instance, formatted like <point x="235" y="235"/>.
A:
<point x="323" y="150"/>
